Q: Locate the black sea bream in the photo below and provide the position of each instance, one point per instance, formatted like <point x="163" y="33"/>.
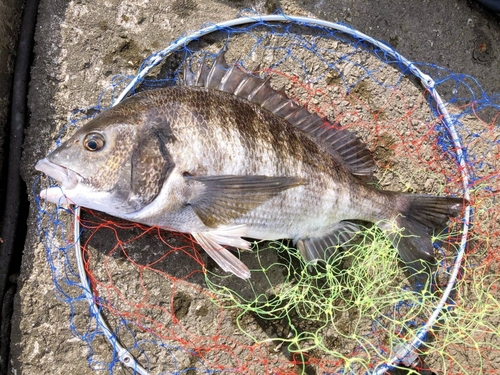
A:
<point x="224" y="157"/>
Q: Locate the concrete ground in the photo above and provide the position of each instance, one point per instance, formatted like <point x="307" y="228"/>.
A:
<point x="80" y="44"/>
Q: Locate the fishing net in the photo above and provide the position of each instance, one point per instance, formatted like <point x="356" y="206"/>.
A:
<point x="166" y="308"/>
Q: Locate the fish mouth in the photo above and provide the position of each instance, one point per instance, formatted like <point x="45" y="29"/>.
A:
<point x="66" y="177"/>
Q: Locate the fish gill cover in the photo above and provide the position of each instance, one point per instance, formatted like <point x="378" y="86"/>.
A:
<point x="171" y="310"/>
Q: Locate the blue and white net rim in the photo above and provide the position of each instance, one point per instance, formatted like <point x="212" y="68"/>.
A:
<point x="403" y="354"/>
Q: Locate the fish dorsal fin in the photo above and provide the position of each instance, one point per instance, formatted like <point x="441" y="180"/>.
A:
<point x="341" y="143"/>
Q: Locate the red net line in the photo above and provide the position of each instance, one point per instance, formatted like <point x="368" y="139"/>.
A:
<point x="161" y="311"/>
<point x="178" y="313"/>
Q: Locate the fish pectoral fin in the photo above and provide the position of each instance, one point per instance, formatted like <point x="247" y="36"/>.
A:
<point x="217" y="200"/>
<point x="323" y="247"/>
<point x="226" y="260"/>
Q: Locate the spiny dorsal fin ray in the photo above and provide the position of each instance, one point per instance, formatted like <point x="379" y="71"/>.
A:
<point x="341" y="143"/>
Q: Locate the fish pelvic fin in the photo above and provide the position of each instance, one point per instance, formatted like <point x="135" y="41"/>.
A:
<point x="412" y="229"/>
<point x="212" y="243"/>
<point x="345" y="146"/>
<point x="321" y="248"/>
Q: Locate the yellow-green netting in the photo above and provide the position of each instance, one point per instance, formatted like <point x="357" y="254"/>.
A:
<point x="176" y="312"/>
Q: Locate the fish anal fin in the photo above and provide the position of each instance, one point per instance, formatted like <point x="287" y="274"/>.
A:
<point x="313" y="249"/>
<point x="226" y="260"/>
<point x="217" y="200"/>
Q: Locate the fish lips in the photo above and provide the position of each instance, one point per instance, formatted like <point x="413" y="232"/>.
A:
<point x="66" y="177"/>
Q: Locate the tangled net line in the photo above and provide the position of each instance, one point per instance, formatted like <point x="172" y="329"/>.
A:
<point x="172" y="311"/>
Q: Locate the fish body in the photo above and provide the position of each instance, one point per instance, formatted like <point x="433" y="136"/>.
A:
<point x="224" y="156"/>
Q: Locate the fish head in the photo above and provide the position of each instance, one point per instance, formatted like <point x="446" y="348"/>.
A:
<point x="112" y="164"/>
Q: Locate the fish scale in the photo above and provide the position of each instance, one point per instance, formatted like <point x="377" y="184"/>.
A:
<point x="225" y="156"/>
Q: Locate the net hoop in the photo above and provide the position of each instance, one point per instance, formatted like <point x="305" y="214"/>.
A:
<point x="403" y="354"/>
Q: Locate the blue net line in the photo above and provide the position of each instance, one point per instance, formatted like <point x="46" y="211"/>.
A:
<point x="407" y="349"/>
<point x="449" y="124"/>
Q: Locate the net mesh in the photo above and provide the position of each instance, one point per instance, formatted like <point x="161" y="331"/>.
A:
<point x="171" y="307"/>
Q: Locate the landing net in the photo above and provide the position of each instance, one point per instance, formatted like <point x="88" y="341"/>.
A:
<point x="166" y="308"/>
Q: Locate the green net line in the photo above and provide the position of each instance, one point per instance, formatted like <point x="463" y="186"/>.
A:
<point x="358" y="313"/>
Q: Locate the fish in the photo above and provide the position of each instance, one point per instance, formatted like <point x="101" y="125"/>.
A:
<point x="227" y="158"/>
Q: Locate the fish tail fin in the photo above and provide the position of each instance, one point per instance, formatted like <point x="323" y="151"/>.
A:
<point x="418" y="218"/>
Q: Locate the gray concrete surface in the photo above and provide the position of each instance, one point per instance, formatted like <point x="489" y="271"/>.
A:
<point x="79" y="44"/>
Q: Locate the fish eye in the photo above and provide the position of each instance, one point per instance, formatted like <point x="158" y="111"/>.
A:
<point x="94" y="141"/>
